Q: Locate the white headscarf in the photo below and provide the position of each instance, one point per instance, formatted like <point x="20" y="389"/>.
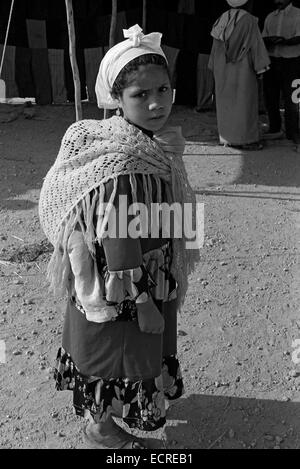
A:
<point x="118" y="56"/>
<point x="236" y="3"/>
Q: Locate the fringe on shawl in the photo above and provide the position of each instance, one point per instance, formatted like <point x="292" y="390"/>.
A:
<point x="82" y="214"/>
<point x="94" y="207"/>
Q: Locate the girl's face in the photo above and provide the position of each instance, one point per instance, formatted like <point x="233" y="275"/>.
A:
<point x="147" y="100"/>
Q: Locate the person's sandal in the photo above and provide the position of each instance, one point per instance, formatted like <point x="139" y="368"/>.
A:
<point x="256" y="146"/>
<point x="253" y="146"/>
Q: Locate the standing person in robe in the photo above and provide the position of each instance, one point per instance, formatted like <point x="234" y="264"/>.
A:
<point x="282" y="38"/>
<point x="237" y="58"/>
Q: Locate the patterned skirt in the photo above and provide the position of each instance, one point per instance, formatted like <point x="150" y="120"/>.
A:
<point x="141" y="404"/>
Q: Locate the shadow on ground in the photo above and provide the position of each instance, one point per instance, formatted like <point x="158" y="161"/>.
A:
<point x="201" y="421"/>
<point x="289" y="196"/>
<point x="277" y="165"/>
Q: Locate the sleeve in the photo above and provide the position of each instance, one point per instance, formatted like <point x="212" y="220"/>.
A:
<point x="266" y="32"/>
<point x="212" y="56"/>
<point x="297" y="26"/>
<point x="260" y="57"/>
<point x="121" y="253"/>
<point x="130" y="284"/>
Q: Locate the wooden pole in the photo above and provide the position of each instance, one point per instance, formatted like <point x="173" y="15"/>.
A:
<point x="144" y="20"/>
<point x="6" y="35"/>
<point x="113" y="23"/>
<point x="72" y="51"/>
<point x="112" y="39"/>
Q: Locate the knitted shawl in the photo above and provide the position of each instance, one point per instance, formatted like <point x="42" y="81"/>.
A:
<point x="93" y="152"/>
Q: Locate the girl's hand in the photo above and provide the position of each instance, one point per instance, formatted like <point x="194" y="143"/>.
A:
<point x="150" y="318"/>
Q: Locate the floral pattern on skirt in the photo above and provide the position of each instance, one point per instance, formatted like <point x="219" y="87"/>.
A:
<point x="140" y="404"/>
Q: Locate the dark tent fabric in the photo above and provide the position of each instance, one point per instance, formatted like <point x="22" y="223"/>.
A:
<point x="24" y="76"/>
<point x="186" y="83"/>
<point x="185" y="24"/>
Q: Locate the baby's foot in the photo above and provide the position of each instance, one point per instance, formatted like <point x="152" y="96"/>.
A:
<point x="149" y="318"/>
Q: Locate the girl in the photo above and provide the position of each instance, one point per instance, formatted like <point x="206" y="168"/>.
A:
<point x="118" y="352"/>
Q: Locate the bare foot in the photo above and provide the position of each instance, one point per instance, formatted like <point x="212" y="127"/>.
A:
<point x="150" y="318"/>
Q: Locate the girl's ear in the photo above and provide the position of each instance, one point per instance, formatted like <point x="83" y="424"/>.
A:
<point x="174" y="96"/>
<point x="119" y="101"/>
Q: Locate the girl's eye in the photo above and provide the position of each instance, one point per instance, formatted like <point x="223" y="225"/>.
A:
<point x="142" y="94"/>
<point x="163" y="89"/>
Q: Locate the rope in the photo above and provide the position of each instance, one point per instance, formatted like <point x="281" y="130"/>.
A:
<point x="6" y="36"/>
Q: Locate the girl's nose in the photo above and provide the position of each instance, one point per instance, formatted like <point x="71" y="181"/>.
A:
<point x="154" y="105"/>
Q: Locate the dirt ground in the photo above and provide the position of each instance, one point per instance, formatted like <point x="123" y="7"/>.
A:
<point x="237" y="332"/>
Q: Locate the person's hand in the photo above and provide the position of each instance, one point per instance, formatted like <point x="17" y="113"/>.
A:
<point x="292" y="41"/>
<point x="277" y="39"/>
<point x="150" y="318"/>
<point x="273" y="40"/>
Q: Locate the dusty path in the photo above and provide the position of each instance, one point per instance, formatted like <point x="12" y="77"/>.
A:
<point x="240" y="319"/>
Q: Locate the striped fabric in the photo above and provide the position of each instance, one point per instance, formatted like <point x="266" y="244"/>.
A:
<point x="8" y="71"/>
<point x="56" y="65"/>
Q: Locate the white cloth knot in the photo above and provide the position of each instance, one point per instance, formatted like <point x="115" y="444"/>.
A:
<point x="138" y="39"/>
<point x="134" y="34"/>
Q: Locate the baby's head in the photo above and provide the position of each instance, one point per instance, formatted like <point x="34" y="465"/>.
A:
<point x="134" y="76"/>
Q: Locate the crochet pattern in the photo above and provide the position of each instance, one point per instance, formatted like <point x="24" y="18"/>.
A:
<point x="93" y="152"/>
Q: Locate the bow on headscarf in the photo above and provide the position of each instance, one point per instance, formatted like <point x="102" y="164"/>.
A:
<point x="117" y="57"/>
<point x="137" y="38"/>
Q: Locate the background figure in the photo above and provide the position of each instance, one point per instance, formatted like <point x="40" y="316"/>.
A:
<point x="282" y="38"/>
<point x="238" y="55"/>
